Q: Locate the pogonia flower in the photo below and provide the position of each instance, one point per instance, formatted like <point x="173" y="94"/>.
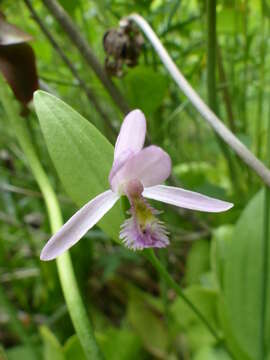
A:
<point x="137" y="173"/>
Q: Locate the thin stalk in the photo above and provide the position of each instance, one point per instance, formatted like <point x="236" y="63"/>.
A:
<point x="150" y="255"/>
<point x="77" y="311"/>
<point x="86" y="51"/>
<point x="208" y="115"/>
<point x="233" y="59"/>
<point x="245" y="73"/>
<point x="265" y="252"/>
<point x="88" y="91"/>
<point x="211" y="81"/>
<point x="211" y="54"/>
<point x="258" y="129"/>
<point x="225" y="90"/>
<point x="164" y="286"/>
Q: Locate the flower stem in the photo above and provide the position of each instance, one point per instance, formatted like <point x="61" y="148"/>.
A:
<point x="67" y="277"/>
<point x="150" y="255"/>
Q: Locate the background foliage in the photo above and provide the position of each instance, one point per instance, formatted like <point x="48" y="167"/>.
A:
<point x="217" y="259"/>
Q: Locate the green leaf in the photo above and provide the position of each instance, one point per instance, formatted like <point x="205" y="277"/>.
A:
<point x="70" y="5"/>
<point x="186" y="322"/>
<point x="22" y="352"/>
<point x="243" y="279"/>
<point x="197" y="261"/>
<point x="232" y="343"/>
<point x="147" y="324"/>
<point x="52" y="348"/>
<point x="230" y="20"/>
<point x="145" y="88"/>
<point x="73" y="349"/>
<point x="81" y="155"/>
<point x="3" y="355"/>
<point x="211" y="353"/>
<point x="120" y="344"/>
<point x="219" y="250"/>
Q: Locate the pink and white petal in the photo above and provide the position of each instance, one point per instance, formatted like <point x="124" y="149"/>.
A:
<point x="132" y="134"/>
<point x="78" y="225"/>
<point x="119" y="162"/>
<point x="186" y="199"/>
<point x="151" y="166"/>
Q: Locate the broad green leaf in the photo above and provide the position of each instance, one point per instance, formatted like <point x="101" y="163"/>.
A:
<point x="147" y="324"/>
<point x="203" y="298"/>
<point x="145" y="88"/>
<point x="52" y="348"/>
<point x="229" y="335"/>
<point x="22" y="352"/>
<point x="81" y="155"/>
<point x="243" y="279"/>
<point x="70" y="5"/>
<point x="219" y="250"/>
<point x="211" y="353"/>
<point x="73" y="349"/>
<point x="186" y="322"/>
<point x="119" y="344"/>
<point x="230" y="20"/>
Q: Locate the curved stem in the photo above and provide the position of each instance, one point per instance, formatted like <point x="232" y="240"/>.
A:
<point x="228" y="137"/>
<point x="67" y="277"/>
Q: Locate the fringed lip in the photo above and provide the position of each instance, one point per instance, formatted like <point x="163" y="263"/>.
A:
<point x="143" y="229"/>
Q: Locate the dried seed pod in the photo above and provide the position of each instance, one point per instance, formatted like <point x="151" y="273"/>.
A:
<point x="123" y="47"/>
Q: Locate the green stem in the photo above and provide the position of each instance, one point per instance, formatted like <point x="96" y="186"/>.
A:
<point x="211" y="82"/>
<point x="258" y="130"/>
<point x="265" y="252"/>
<point x="245" y="71"/>
<point x="150" y="255"/>
<point x="67" y="277"/>
<point x="211" y="54"/>
<point x="164" y="286"/>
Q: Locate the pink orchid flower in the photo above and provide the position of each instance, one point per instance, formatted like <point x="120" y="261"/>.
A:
<point x="137" y="173"/>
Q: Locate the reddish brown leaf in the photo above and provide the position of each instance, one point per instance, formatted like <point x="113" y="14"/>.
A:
<point x="17" y="63"/>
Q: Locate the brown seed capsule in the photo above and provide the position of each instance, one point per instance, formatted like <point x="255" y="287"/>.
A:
<point x="123" y="47"/>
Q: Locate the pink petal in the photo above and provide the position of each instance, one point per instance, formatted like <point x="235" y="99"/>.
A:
<point x="151" y="166"/>
<point x="132" y="134"/>
<point x="78" y="225"/>
<point x="186" y="199"/>
<point x="119" y="162"/>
